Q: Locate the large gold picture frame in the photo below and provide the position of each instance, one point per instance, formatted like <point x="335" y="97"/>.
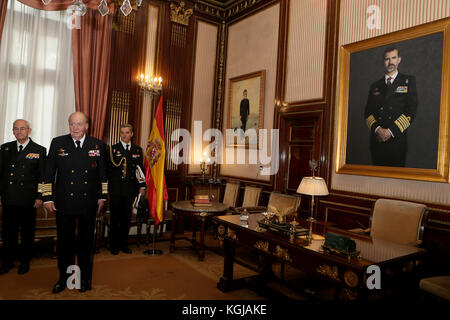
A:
<point x="254" y="84"/>
<point x="356" y="62"/>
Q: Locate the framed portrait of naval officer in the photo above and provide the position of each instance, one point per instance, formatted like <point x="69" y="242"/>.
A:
<point x="246" y="109"/>
<point x="393" y="117"/>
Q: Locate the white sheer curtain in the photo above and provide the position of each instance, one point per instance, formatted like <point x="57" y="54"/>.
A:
<point x="36" y="72"/>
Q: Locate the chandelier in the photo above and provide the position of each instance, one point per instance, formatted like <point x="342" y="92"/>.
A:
<point x="79" y="8"/>
<point x="150" y="85"/>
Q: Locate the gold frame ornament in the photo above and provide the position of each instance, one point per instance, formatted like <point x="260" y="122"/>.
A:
<point x="438" y="173"/>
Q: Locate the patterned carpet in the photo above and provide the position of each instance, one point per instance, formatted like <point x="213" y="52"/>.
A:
<point x="136" y="276"/>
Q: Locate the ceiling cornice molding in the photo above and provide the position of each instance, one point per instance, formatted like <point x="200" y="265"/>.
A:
<point x="224" y="10"/>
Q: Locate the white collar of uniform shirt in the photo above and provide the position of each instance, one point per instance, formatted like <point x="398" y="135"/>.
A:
<point x="24" y="144"/>
<point x="81" y="140"/>
<point x="124" y="145"/>
<point x="386" y="76"/>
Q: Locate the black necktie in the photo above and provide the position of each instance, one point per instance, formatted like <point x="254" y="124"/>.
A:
<point x="389" y="81"/>
<point x="20" y="148"/>
<point x="78" y="142"/>
<point x="127" y="149"/>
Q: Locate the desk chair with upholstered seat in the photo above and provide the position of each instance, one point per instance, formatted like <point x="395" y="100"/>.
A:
<point x="252" y="195"/>
<point x="438" y="287"/>
<point x="231" y="193"/>
<point x="398" y="221"/>
<point x="279" y="202"/>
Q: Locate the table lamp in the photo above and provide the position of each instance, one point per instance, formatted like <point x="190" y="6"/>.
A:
<point x="313" y="186"/>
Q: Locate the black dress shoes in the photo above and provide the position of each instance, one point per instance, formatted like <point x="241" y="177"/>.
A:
<point x="115" y="251"/>
<point x="59" y="286"/>
<point x="6" y="267"/>
<point x="85" y="286"/>
<point x="126" y="250"/>
<point x="23" y="268"/>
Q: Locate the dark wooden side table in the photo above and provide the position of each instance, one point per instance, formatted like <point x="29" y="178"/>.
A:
<point x="186" y="209"/>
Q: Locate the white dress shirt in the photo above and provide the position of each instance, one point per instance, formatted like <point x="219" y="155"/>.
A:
<point x="24" y="145"/>
<point x="81" y="140"/>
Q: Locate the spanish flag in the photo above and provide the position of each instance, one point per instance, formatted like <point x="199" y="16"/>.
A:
<point x="155" y="154"/>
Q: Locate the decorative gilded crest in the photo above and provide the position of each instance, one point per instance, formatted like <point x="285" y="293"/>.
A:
<point x="231" y="234"/>
<point x="331" y="272"/>
<point x="261" y="245"/>
<point x="282" y="253"/>
<point x="351" y="278"/>
<point x="179" y="14"/>
<point x="347" y="294"/>
<point x="221" y="232"/>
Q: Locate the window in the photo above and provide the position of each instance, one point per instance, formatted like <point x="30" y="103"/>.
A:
<point x="36" y="72"/>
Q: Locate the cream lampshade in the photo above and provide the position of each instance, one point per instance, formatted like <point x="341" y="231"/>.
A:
<point x="312" y="186"/>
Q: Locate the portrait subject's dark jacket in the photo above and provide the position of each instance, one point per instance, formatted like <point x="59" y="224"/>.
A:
<point x="244" y="108"/>
<point x="80" y="176"/>
<point x="21" y="174"/>
<point x="393" y="107"/>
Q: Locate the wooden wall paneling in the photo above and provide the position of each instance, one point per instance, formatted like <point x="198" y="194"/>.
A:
<point x="142" y="23"/>
<point x="218" y="69"/>
<point x="125" y="58"/>
<point x="176" y="67"/>
<point x="331" y="54"/>
<point x="220" y="85"/>
<point x="326" y="103"/>
<point x="137" y="64"/>
<point x="300" y="141"/>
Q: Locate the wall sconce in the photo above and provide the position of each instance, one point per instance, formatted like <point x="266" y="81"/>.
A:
<point x="150" y="85"/>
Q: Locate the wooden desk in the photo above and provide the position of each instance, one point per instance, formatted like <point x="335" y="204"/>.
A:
<point x="186" y="209"/>
<point x="349" y="275"/>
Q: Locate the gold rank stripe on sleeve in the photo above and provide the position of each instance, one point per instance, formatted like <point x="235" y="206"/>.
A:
<point x="370" y="120"/>
<point x="46" y="189"/>
<point x="403" y="122"/>
<point x="104" y="187"/>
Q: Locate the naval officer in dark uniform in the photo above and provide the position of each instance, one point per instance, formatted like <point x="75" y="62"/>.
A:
<point x="76" y="164"/>
<point x="125" y="180"/>
<point x="21" y="173"/>
<point x="244" y="109"/>
<point x="390" y="110"/>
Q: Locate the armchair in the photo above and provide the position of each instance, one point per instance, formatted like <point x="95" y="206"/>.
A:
<point x="231" y="193"/>
<point x="397" y="221"/>
<point x="283" y="203"/>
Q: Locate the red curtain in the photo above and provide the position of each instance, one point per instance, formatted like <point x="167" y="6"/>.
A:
<point x="55" y="5"/>
<point x="3" y="6"/>
<point x="91" y="64"/>
<point x="91" y="59"/>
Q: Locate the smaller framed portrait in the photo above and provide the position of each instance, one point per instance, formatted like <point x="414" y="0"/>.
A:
<point x="246" y="109"/>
